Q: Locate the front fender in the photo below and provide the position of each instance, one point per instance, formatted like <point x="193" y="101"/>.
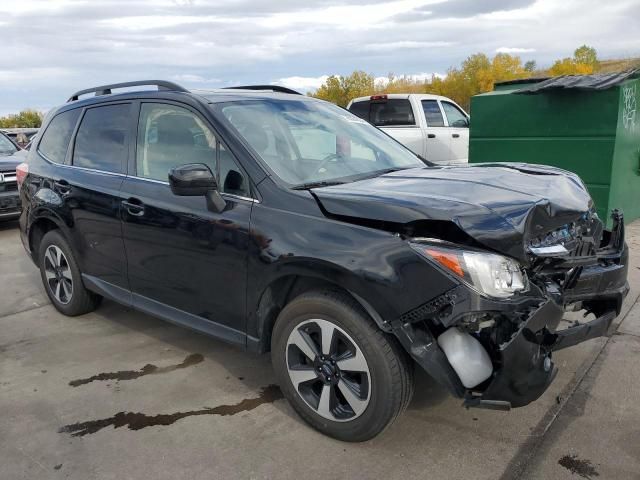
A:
<point x="377" y="267"/>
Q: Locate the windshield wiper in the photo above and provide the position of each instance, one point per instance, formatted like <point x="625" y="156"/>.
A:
<point x="318" y="184"/>
<point x="384" y="171"/>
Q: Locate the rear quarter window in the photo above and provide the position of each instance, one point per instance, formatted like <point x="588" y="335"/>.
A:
<point x="392" y="112"/>
<point x="55" y="140"/>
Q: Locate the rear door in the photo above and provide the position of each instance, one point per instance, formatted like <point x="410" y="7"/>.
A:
<point x="186" y="262"/>
<point x="458" y="123"/>
<point x="88" y="184"/>
<point x="437" y="132"/>
<point x="395" y="116"/>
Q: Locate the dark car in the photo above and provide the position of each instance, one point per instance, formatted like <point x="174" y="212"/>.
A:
<point x="279" y="222"/>
<point x="10" y="157"/>
<point x="20" y="136"/>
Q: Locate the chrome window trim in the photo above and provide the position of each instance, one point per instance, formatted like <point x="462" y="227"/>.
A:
<point x="162" y="182"/>
<point x="86" y="169"/>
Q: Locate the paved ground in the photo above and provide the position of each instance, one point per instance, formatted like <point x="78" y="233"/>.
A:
<point x="117" y="394"/>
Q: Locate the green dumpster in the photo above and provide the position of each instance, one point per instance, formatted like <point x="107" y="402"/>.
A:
<point x="587" y="124"/>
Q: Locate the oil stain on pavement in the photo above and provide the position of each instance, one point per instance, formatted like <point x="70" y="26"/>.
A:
<point x="138" y="421"/>
<point x="584" y="468"/>
<point x="148" y="369"/>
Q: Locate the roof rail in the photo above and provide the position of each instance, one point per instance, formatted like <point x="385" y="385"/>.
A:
<point x="106" y="89"/>
<point x="273" y="88"/>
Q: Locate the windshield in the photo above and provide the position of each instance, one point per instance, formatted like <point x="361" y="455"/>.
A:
<point x="6" y="146"/>
<point x="307" y="142"/>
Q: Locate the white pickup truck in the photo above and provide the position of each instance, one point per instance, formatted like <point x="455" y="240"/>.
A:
<point x="432" y="126"/>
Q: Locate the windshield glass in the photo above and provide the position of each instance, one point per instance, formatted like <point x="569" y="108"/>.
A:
<point x="306" y="142"/>
<point x="6" y="146"/>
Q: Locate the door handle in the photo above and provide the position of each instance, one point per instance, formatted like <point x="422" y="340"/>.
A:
<point x="455" y="135"/>
<point x="134" y="207"/>
<point x="431" y="135"/>
<point x="62" y="186"/>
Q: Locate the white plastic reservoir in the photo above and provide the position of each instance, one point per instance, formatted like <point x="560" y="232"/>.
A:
<point x="467" y="356"/>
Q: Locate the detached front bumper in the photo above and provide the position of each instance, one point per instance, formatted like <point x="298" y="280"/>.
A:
<point x="523" y="366"/>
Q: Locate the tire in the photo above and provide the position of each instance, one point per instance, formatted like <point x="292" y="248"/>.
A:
<point x="376" y="391"/>
<point x="58" y="267"/>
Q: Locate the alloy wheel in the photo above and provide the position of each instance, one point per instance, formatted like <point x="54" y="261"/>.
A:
<point x="328" y="370"/>
<point x="58" y="274"/>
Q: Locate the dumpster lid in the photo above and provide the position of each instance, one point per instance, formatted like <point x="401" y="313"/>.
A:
<point x="599" y="81"/>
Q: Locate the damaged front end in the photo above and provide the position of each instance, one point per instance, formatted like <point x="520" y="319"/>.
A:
<point x="490" y="340"/>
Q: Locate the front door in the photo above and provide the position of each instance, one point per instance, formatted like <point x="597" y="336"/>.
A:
<point x="180" y="254"/>
<point x="459" y="128"/>
<point x="438" y="135"/>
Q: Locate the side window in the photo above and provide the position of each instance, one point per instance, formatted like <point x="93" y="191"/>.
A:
<point x="101" y="141"/>
<point x="454" y="116"/>
<point x="392" y="112"/>
<point x="432" y="113"/>
<point x="55" y="139"/>
<point x="169" y="136"/>
<point x="360" y="109"/>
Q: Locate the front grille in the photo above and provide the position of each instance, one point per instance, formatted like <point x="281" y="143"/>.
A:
<point x="8" y="181"/>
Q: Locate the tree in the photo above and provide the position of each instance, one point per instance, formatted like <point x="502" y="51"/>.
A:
<point x="340" y="90"/>
<point x="586" y="55"/>
<point x="477" y="74"/>
<point x="25" y="119"/>
<point x="568" y="66"/>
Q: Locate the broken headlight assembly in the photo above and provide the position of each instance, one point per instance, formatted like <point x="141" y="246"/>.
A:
<point x="488" y="273"/>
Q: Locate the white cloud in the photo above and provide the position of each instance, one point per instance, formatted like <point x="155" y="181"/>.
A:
<point x="402" y="45"/>
<point x="304" y="84"/>
<point x="350" y="17"/>
<point x="514" y="50"/>
<point x="191" y="78"/>
<point x="413" y="76"/>
<point x="67" y="45"/>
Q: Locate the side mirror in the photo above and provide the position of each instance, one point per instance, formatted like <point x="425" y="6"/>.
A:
<point x="192" y="180"/>
<point x="196" y="180"/>
<point x="461" y="123"/>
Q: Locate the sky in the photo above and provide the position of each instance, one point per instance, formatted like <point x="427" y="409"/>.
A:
<point x="51" y="48"/>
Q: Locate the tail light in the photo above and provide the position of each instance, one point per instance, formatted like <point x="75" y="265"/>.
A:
<point x="21" y="173"/>
<point x="378" y="97"/>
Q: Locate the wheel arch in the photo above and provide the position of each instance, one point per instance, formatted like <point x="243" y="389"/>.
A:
<point x="282" y="290"/>
<point x="40" y="225"/>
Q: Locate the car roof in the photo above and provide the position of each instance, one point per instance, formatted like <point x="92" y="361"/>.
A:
<point x="105" y="92"/>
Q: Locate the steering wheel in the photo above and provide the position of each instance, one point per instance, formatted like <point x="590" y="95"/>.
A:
<point x="325" y="161"/>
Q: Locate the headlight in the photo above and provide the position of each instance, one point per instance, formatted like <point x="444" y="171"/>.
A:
<point x="488" y="273"/>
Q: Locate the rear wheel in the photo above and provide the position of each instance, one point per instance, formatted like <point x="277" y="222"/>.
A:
<point x="61" y="277"/>
<point x="342" y="374"/>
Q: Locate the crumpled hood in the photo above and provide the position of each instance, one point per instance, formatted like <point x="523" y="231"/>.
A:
<point x="501" y="205"/>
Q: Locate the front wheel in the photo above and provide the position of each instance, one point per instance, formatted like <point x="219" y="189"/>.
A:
<point x="339" y="371"/>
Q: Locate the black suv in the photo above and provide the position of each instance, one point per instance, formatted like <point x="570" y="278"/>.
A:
<point x="280" y="222"/>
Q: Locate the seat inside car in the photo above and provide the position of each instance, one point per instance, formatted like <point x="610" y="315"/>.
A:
<point x="176" y="145"/>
